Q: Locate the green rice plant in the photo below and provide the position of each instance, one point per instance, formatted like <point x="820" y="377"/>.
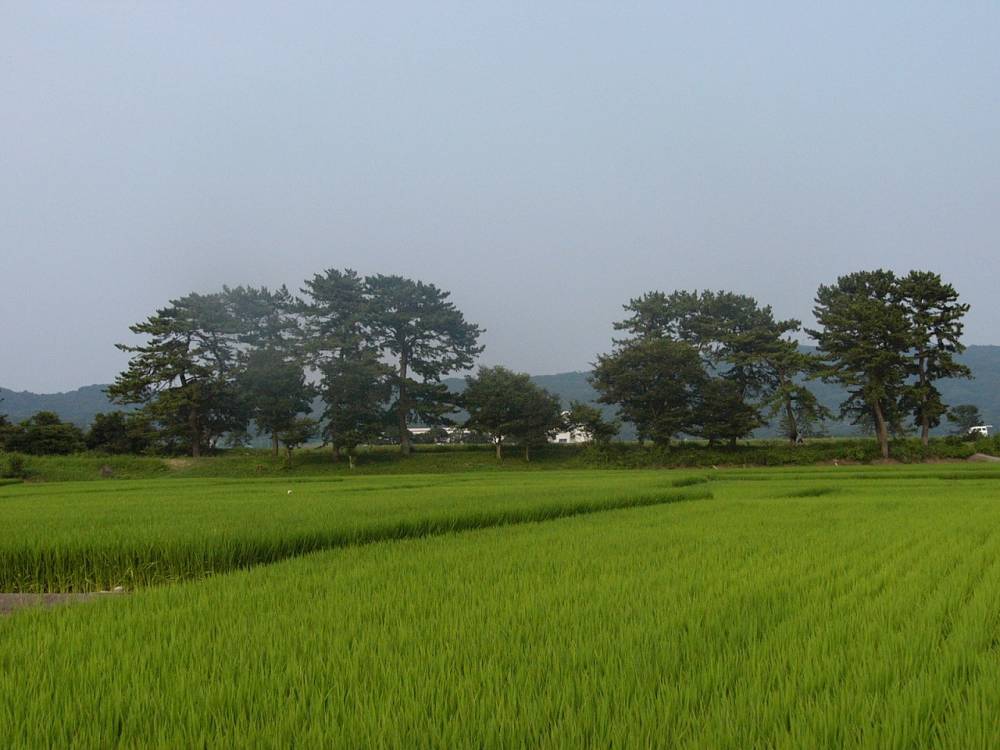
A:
<point x="865" y="618"/>
<point x="689" y="481"/>
<point x="96" y="536"/>
<point x="811" y="492"/>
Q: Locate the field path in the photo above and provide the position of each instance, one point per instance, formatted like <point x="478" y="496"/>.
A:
<point x="11" y="602"/>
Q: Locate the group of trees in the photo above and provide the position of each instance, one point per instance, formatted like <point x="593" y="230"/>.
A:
<point x="888" y="340"/>
<point x="715" y="365"/>
<point x="45" y="433"/>
<point x="376" y="348"/>
<point x="718" y="365"/>
<point x="506" y="405"/>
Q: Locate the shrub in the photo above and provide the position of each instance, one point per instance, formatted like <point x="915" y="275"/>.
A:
<point x="12" y="466"/>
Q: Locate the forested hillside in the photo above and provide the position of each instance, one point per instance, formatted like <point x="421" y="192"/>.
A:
<point x="78" y="407"/>
<point x="81" y="405"/>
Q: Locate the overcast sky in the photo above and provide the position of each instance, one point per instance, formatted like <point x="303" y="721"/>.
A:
<point x="543" y="161"/>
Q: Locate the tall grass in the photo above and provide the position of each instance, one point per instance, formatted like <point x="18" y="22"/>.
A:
<point x="865" y="618"/>
<point x="87" y="537"/>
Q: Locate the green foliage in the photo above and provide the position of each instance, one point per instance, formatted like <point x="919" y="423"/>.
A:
<point x="935" y="317"/>
<point x="297" y="433"/>
<point x="264" y="319"/>
<point x="507" y="405"/>
<point x="356" y="387"/>
<point x="44" y="433"/>
<point x="655" y="382"/>
<point x="352" y="324"/>
<point x="720" y="413"/>
<point x="864" y="337"/>
<point x="492" y="399"/>
<point x="6" y="428"/>
<point x="591" y="420"/>
<point x="184" y="374"/>
<point x="275" y="390"/>
<point x="13" y="466"/>
<point x="540" y="418"/>
<point x="890" y="341"/>
<point x="964" y="417"/>
<point x="750" y="360"/>
<point x="785" y="367"/>
<point x="428" y="337"/>
<point x="119" y="432"/>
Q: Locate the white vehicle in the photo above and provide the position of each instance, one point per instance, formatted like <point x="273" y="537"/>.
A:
<point x="980" y="430"/>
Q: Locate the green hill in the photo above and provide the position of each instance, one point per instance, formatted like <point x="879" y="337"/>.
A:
<point x="78" y="407"/>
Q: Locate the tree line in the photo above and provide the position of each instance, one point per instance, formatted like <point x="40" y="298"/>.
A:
<point x="718" y="364"/>
<point x="374" y="349"/>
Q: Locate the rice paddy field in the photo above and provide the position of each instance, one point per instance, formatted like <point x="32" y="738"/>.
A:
<point x="819" y="608"/>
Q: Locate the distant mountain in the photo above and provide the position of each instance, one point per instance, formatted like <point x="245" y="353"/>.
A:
<point x="78" y="407"/>
<point x="81" y="405"/>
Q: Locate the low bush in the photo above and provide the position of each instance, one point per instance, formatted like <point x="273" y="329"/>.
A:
<point x="13" y="467"/>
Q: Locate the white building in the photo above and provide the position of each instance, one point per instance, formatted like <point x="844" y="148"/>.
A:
<point x="450" y="434"/>
<point x="571" y="436"/>
<point x="980" y="430"/>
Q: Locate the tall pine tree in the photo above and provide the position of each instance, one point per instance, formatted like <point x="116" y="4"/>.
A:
<point x="184" y="374"/>
<point x="864" y="340"/>
<point x="935" y="316"/>
<point x="427" y="337"/>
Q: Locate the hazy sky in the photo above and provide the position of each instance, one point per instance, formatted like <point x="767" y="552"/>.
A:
<point x="544" y="161"/>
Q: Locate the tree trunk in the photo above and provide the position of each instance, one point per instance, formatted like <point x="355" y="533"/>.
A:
<point x="881" y="430"/>
<point x="527" y="453"/>
<point x="404" y="435"/>
<point x="274" y="444"/>
<point x="793" y="425"/>
<point x="925" y="421"/>
<point x="499" y="448"/>
<point x="350" y="461"/>
<point x="336" y="453"/>
<point x="194" y="427"/>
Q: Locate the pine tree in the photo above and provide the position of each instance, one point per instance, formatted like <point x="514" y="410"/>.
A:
<point x="427" y="336"/>
<point x="184" y="374"/>
<point x="864" y="341"/>
<point x="935" y="317"/>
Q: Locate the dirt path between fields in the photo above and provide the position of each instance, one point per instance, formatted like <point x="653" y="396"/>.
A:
<point x="12" y="602"/>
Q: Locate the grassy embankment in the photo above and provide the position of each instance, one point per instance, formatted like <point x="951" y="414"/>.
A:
<point x="445" y="459"/>
<point x="823" y="608"/>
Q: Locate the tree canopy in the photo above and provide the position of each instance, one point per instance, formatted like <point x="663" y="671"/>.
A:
<point x="507" y="405"/>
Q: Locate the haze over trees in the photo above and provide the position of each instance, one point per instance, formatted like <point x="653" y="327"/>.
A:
<point x="213" y="365"/>
<point x="376" y="350"/>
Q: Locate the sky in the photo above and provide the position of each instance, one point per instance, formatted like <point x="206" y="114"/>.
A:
<point x="544" y="162"/>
